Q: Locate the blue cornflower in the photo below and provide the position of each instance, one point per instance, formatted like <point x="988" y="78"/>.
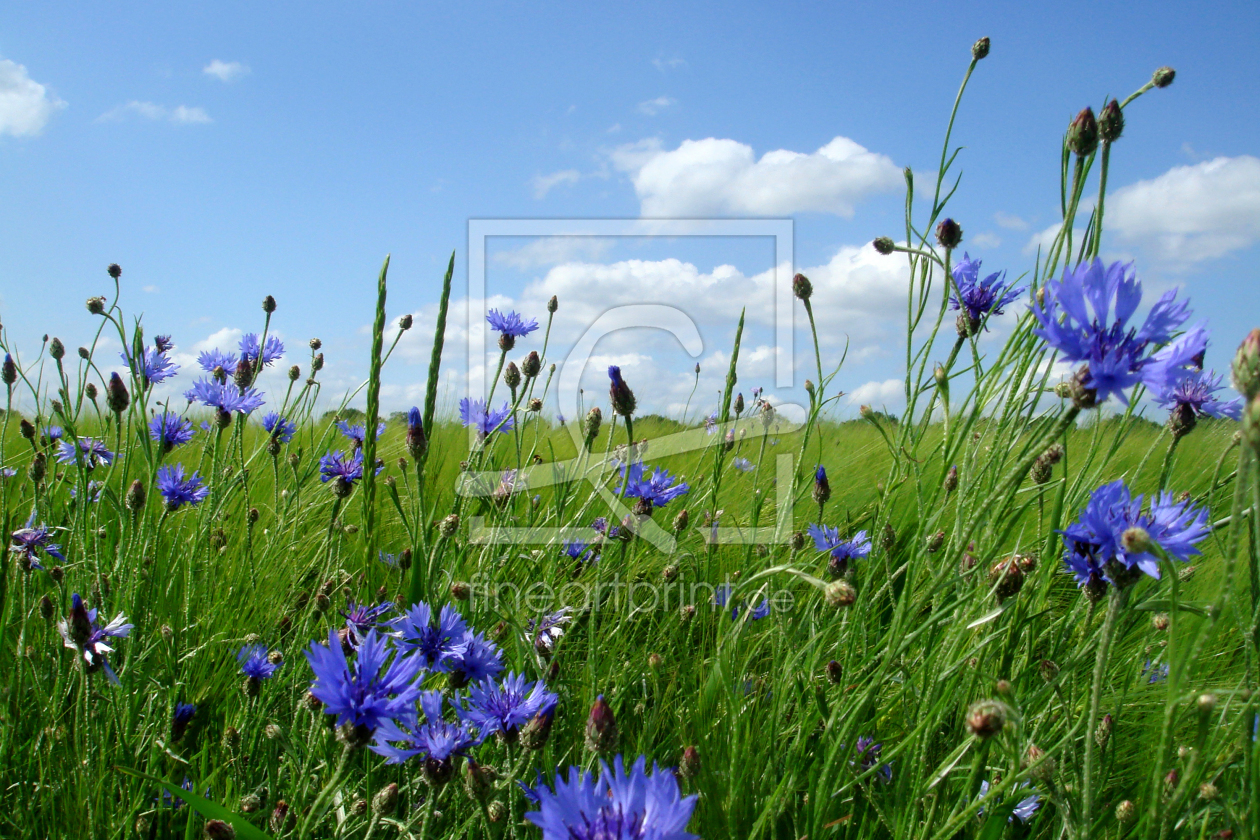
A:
<point x="1116" y="356"/>
<point x="547" y="632"/>
<point x="369" y="692"/>
<point x="980" y="297"/>
<point x="7" y="472"/>
<point x="224" y="396"/>
<point x="431" y="738"/>
<point x="1157" y="673"/>
<point x="1097" y="538"/>
<point x="477" y="659"/>
<point x="30" y="540"/>
<point x="208" y="360"/>
<point x="151" y="366"/>
<point x="180" y="718"/>
<point x="659" y="488"/>
<point x="358" y="433"/>
<point x="473" y="413"/>
<point x="272" y="349"/>
<point x="507" y="707"/>
<point x="619" y="805"/>
<point x="722" y="596"/>
<point x="710" y="423"/>
<point x="177" y="490"/>
<point x="868" y="750"/>
<point x="742" y="464"/>
<point x="81" y="633"/>
<point x="280" y="429"/>
<point x="170" y="430"/>
<point x="579" y="550"/>
<point x="1024" y="810"/>
<point x="361" y="618"/>
<point x="175" y="802"/>
<point x="842" y="550"/>
<point x="163" y="343"/>
<point x="343" y="470"/>
<point x="52" y="434"/>
<point x="510" y="324"/>
<point x="255" y="663"/>
<point x="1195" y="391"/>
<point x="560" y="419"/>
<point x="93" y="451"/>
<point x="436" y="645"/>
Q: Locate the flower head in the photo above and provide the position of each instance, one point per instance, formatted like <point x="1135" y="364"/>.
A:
<point x="224" y="396"/>
<point x="358" y="434"/>
<point x="32" y="539"/>
<point x="343" y="469"/>
<point x="151" y="366"/>
<point x="271" y="351"/>
<point x="659" y="488"/>
<point x="980" y="297"/>
<point x="842" y="551"/>
<point x="209" y="360"/>
<point x="81" y="633"/>
<point x="1117" y="356"/>
<point x="867" y="749"/>
<point x="93" y="451"/>
<point x="475" y="660"/>
<point x="510" y="324"/>
<point x="1024" y="809"/>
<point x="361" y="618"/>
<point x="1195" y="391"/>
<point x="255" y="663"/>
<point x="169" y="430"/>
<point x="1094" y="545"/>
<point x="429" y="736"/>
<point x="278" y="427"/>
<point x="619" y="805"/>
<point x="369" y="691"/>
<point x="177" y="490"/>
<point x="436" y="643"/>
<point x="742" y="464"/>
<point x="506" y="707"/>
<point x="52" y="434"/>
<point x="547" y="632"/>
<point x="473" y="413"/>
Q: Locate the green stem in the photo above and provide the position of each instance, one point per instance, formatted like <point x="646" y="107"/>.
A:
<point x="1114" y="605"/>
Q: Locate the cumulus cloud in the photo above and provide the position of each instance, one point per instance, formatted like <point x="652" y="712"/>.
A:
<point x="652" y="107"/>
<point x="715" y="177"/>
<point x="1043" y="239"/>
<point x="986" y="239"/>
<point x="878" y="394"/>
<point x="180" y="115"/>
<point x="666" y="64"/>
<point x="25" y="104"/>
<point x="544" y="183"/>
<point x="1191" y="213"/>
<point x="1009" y="221"/>
<point x="552" y="250"/>
<point x="226" y="71"/>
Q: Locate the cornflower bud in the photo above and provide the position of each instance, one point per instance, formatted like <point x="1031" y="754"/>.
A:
<point x="315" y="343"/>
<point x="1103" y="733"/>
<point x="532" y="365"/>
<point x="951" y="480"/>
<point x="1245" y="369"/>
<point x="948" y="234"/>
<point x="231" y="739"/>
<point x="553" y="305"/>
<point x="281" y="818"/>
<point x="136" y="495"/>
<point x="1008" y="576"/>
<point x="739" y="404"/>
<point x="512" y="376"/>
<point x="1110" y="122"/>
<point x="8" y="371"/>
<point x="115" y="270"/>
<point x="986" y="718"/>
<point x="840" y="593"/>
<point x="535" y="733"/>
<point x="218" y="830"/>
<point x="386" y="800"/>
<point x="317" y="363"/>
<point x="1163" y="77"/>
<point x="680" y="521"/>
<point x="295" y="373"/>
<point x="38" y="468"/>
<point x="1082" y="134"/>
<point x="449" y="525"/>
<point x="822" y="487"/>
<point x="619" y="393"/>
<point x="591" y="424"/>
<point x="689" y="764"/>
<point x="27" y="429"/>
<point x="834" y="672"/>
<point x="57" y="350"/>
<point x="535" y="405"/>
<point x="801" y="287"/>
<point x="935" y="541"/>
<point x="888" y="539"/>
<point x="601" y="728"/>
<point x="980" y="49"/>
<point x="405" y="322"/>
<point x="96" y="305"/>
<point x="1126" y="811"/>
<point x="116" y="396"/>
<point x="884" y="245"/>
<point x="243" y="375"/>
<point x="269" y="304"/>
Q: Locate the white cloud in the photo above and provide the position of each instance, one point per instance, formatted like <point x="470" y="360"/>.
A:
<point x="1009" y="221"/>
<point x="25" y="104"/>
<point x="666" y="64"/>
<point x="878" y="394"/>
<point x="652" y="107"/>
<point x="614" y="128"/>
<point x="181" y="115"/>
<point x="1043" y="239"/>
<point x="153" y="290"/>
<point x="226" y="71"/>
<point x="986" y="239"/>
<point x="1191" y="213"/>
<point x="714" y="177"/>
<point x="553" y="250"/>
<point x="543" y="183"/>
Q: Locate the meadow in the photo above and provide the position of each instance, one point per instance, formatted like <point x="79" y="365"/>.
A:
<point x="1027" y="606"/>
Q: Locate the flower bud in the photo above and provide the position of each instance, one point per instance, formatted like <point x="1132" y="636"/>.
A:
<point x="840" y="593"/>
<point x="317" y="363"/>
<point x="218" y="830"/>
<point x="406" y="321"/>
<point x="801" y="287"/>
<point x="1008" y="577"/>
<point x="136" y="495"/>
<point x="26" y="428"/>
<point x="951" y="480"/>
<point x="281" y="819"/>
<point x="512" y="376"/>
<point x="689" y="763"/>
<point x="1110" y="122"/>
<point x="739" y="404"/>
<point x="822" y="487"/>
<point x="116" y="396"/>
<point x="461" y="591"/>
<point x="687" y="613"/>
<point x="496" y="811"/>
<point x="38" y="468"/>
<point x="115" y="270"/>
<point x="386" y="801"/>
<point x="535" y="733"/>
<point x="986" y="718"/>
<point x="8" y="371"/>
<point x="1163" y="77"/>
<point x="884" y="245"/>
<point x="1082" y="134"/>
<point x="619" y="393"/>
<point x="601" y="728"/>
<point x="57" y="350"/>
<point x="417" y="442"/>
<point x="1208" y="792"/>
<point x="231" y="740"/>
<point x="1103" y="733"/>
<point x="1245" y="369"/>
<point x="553" y="305"/>
<point x="1126" y="811"/>
<point x="269" y="304"/>
<point x="980" y="49"/>
<point x="535" y="405"/>
<point x="295" y="373"/>
<point x="935" y="541"/>
<point x="591" y="424"/>
<point x="449" y="525"/>
<point x="96" y="305"/>
<point x="834" y="672"/>
<point x="888" y="538"/>
<point x="680" y="521"/>
<point x="948" y="233"/>
<point x="1206" y="704"/>
<point x="532" y="365"/>
<point x="251" y="803"/>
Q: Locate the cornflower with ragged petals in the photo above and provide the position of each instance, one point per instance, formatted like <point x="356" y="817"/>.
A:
<point x="437" y="644"/>
<point x="178" y="490"/>
<point x="255" y="663"/>
<point x="510" y="324"/>
<point x="547" y="632"/>
<point x="1193" y="394"/>
<point x="475" y="660"/>
<point x="92" y="450"/>
<point x="842" y="551"/>
<point x="1024" y="809"/>
<point x="52" y="434"/>
<point x="658" y="489"/>
<point x="1115" y="356"/>
<point x="1094" y="545"/>
<point x="280" y="429"/>
<point x="619" y="805"/>
<point x="978" y="298"/>
<point x="580" y="551"/>
<point x="868" y="750"/>
<point x="742" y="464"/>
<point x="81" y="633"/>
<point x="169" y="430"/>
<point x="225" y="397"/>
<point x="428" y="736"/>
<point x="473" y="414"/>
<point x="361" y="618"/>
<point x="343" y="470"/>
<point x="271" y="351"/>
<point x="378" y="686"/>
<point x="505" y="708"/>
<point x="151" y="366"/>
<point x="357" y="434"/>
<point x="31" y="539"/>
<point x="94" y="490"/>
<point x="209" y="360"/>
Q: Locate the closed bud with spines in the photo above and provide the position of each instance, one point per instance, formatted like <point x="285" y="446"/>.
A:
<point x="1163" y="77"/>
<point x="822" y="487"/>
<point x="801" y="287"/>
<point x="38" y="468"/>
<point x="116" y="396"/>
<point x="951" y="480"/>
<point x="1082" y="134"/>
<point x="619" y="393"/>
<point x="317" y="363"/>
<point x="295" y="373"/>
<point x="269" y="304"/>
<point x="986" y="718"/>
<point x="840" y="593"/>
<point x="739" y="404"/>
<point x="449" y="525"/>
<point x="949" y="234"/>
<point x="935" y="541"/>
<point x="1110" y="122"/>
<point x="535" y="733"/>
<point x="281" y="819"/>
<point x="1245" y="370"/>
<point x="218" y="830"/>
<point x="405" y="322"/>
<point x="417" y="441"/>
<point x="689" y="763"/>
<point x="386" y="801"/>
<point x="96" y="305"/>
<point x="532" y="365"/>
<point x="680" y="521"/>
<point x="135" y="497"/>
<point x="1103" y="733"/>
<point x="591" y="424"/>
<point x="27" y="429"/>
<point x="8" y="371"/>
<point x="601" y="728"/>
<point x="512" y="376"/>
<point x="535" y="405"/>
<point x="57" y="350"/>
<point x="980" y="49"/>
<point x="1008" y="578"/>
<point x="1126" y="811"/>
<point x="834" y="672"/>
<point x="884" y="245"/>
<point x="553" y="305"/>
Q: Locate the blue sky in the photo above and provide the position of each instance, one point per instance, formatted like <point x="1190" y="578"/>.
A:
<point x="223" y="151"/>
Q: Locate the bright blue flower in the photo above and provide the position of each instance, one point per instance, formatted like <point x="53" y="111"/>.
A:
<point x="1196" y="390"/>
<point x="369" y="692"/>
<point x="358" y="433"/>
<point x="169" y="430"/>
<point x="177" y="490"/>
<point x="742" y="464"/>
<point x="659" y="488"/>
<point x="224" y="396"/>
<point x="577" y="550"/>
<point x="1096" y="539"/>
<point x="761" y="610"/>
<point x="547" y="632"/>
<point x="183" y="713"/>
<point x="619" y="805"/>
<point x="82" y="634"/>
<point x="361" y="618"/>
<point x="510" y="323"/>
<point x="52" y="434"/>
<point x="93" y="451"/>
<point x="1024" y="810"/>
<point x="341" y="466"/>
<point x="842" y="550"/>
<point x="980" y="297"/>
<point x="254" y="662"/>
<point x="162" y="343"/>
<point x="477" y="659"/>
<point x="472" y="413"/>
<point x="436" y="645"/>
<point x="272" y="350"/>
<point x="211" y="359"/>
<point x="1157" y="673"/>
<point x="710" y="423"/>
<point x="507" y="707"/>
<point x="1117" y="355"/>
<point x="30" y="540"/>
<point x="278" y="427"/>
<point x="868" y="750"/>
<point x="152" y="366"/>
<point x="431" y="738"/>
